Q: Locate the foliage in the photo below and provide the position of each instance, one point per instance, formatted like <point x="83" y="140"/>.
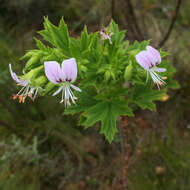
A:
<point x="102" y="67"/>
<point x="73" y="158"/>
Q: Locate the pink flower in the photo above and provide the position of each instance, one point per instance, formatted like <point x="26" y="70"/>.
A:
<point x="26" y="89"/>
<point x="149" y="59"/>
<point x="63" y="75"/>
<point x="105" y="36"/>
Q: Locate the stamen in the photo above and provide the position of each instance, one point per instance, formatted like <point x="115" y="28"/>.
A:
<point x="68" y="103"/>
<point x="21" y="90"/>
<point x="35" y="94"/>
<point x="62" y="100"/>
<point x="23" y="99"/>
<point x="164" y="78"/>
<point x="155" y="80"/>
<point x="30" y="95"/>
<point x="20" y="98"/>
<point x="15" y="96"/>
<point x="157" y="76"/>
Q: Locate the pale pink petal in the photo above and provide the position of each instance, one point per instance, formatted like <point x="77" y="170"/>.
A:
<point x="155" y="54"/>
<point x="143" y="60"/>
<point x="53" y="72"/>
<point x="152" y="59"/>
<point x="13" y="75"/>
<point x="69" y="69"/>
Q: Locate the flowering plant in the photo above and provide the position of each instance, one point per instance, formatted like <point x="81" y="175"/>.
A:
<point x="114" y="77"/>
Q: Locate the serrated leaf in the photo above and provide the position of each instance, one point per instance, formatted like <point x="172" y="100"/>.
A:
<point x="144" y="96"/>
<point x="57" y="36"/>
<point x="29" y="54"/>
<point x="75" y="47"/>
<point x="40" y="45"/>
<point x="34" y="61"/>
<point x="86" y="101"/>
<point x="107" y="113"/>
<point x="84" y="39"/>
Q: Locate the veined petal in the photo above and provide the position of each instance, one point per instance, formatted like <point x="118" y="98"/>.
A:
<point x="143" y="60"/>
<point x="13" y="75"/>
<point x="53" y="71"/>
<point x="69" y="69"/>
<point x="155" y="53"/>
<point x="75" y="88"/>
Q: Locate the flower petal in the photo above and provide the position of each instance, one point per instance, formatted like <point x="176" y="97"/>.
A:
<point x="53" y="71"/>
<point x="75" y="88"/>
<point x="13" y="75"/>
<point x="144" y="60"/>
<point x="155" y="53"/>
<point x="69" y="69"/>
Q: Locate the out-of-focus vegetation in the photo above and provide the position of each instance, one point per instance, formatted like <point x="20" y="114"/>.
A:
<point x="40" y="148"/>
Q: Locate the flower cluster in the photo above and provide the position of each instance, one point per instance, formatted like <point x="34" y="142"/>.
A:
<point x="106" y="36"/>
<point x="63" y="76"/>
<point x="26" y="90"/>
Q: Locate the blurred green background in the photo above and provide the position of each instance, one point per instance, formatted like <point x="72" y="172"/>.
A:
<point x="42" y="149"/>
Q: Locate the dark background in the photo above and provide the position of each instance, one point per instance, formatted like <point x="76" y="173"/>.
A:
<point x="42" y="149"/>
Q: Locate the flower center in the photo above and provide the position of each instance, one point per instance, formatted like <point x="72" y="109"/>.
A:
<point x="68" y="80"/>
<point x="59" y="81"/>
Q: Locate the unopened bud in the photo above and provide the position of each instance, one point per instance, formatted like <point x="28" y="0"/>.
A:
<point x="33" y="73"/>
<point x="33" y="62"/>
<point x="128" y="72"/>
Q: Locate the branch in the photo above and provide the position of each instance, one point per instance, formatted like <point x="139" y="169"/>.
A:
<point x="135" y="25"/>
<point x="171" y="25"/>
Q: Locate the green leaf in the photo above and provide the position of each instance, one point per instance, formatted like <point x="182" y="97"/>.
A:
<point x="57" y="36"/>
<point x="107" y="112"/>
<point x="86" y="101"/>
<point x="75" y="47"/>
<point x="144" y="96"/>
<point x="84" y="39"/>
<point x="29" y="54"/>
<point x="41" y="46"/>
<point x="34" y="61"/>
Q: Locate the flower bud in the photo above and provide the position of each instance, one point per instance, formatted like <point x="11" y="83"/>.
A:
<point x="128" y="72"/>
<point x="33" y="73"/>
<point x="40" y="81"/>
<point x="28" y="54"/>
<point x="33" y="61"/>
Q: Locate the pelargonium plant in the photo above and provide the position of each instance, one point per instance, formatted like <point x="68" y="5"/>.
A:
<point x="100" y="76"/>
